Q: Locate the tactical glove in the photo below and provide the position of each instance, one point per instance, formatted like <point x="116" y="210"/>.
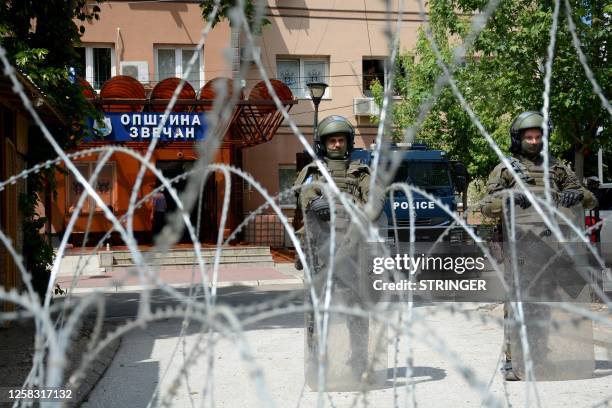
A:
<point x="321" y="207"/>
<point x="297" y="263"/>
<point x="374" y="209"/>
<point x="570" y="198"/>
<point x="521" y="200"/>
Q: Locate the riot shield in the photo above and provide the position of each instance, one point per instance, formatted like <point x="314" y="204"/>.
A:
<point x="542" y="271"/>
<point x="352" y="356"/>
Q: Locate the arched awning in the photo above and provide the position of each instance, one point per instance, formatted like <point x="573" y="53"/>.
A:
<point x="209" y="91"/>
<point x="164" y="90"/>
<point x="122" y="87"/>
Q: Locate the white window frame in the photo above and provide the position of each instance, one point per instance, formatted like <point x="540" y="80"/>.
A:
<point x="90" y="203"/>
<point x="89" y="61"/>
<point x="178" y="60"/>
<point x="302" y="76"/>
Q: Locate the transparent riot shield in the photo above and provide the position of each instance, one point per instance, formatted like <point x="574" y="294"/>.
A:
<point x="542" y="272"/>
<point x="352" y="356"/>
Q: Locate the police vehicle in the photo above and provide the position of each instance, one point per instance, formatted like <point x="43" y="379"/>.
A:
<point x="433" y="172"/>
<point x="601" y="186"/>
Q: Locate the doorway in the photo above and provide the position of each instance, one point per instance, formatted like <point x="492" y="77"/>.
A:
<point x="208" y="205"/>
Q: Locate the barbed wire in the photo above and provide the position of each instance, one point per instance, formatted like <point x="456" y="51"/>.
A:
<point x="56" y="323"/>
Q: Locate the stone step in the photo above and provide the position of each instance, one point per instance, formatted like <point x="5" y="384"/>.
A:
<point x="208" y="265"/>
<point x="259" y="256"/>
<point x="231" y="251"/>
<point x="174" y="260"/>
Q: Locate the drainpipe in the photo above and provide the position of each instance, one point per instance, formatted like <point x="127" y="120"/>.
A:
<point x="118" y="53"/>
<point x="235" y="44"/>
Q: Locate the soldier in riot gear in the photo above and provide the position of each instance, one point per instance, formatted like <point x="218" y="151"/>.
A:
<point x="333" y="144"/>
<point x="526" y="134"/>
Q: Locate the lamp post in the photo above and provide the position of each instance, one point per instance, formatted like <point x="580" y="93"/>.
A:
<point x="317" y="89"/>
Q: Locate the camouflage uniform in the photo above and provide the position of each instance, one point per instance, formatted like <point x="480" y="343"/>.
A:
<point x="353" y="180"/>
<point x="530" y="232"/>
<point x="532" y="174"/>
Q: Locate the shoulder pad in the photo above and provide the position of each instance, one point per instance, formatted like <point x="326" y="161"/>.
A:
<point x="305" y="172"/>
<point x="498" y="169"/>
<point x="310" y="167"/>
<point x="357" y="166"/>
<point x="554" y="162"/>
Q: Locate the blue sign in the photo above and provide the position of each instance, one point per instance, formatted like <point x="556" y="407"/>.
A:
<point x="144" y="126"/>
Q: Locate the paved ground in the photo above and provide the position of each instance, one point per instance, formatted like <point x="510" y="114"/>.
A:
<point x="17" y="352"/>
<point x="126" y="279"/>
<point x="153" y="356"/>
<point x="121" y="289"/>
<point x="147" y="359"/>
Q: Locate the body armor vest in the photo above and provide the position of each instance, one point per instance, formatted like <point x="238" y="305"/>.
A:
<point x="561" y="178"/>
<point x="532" y="175"/>
<point x="346" y="181"/>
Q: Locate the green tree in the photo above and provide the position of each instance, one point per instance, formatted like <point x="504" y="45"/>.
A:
<point x="250" y="11"/>
<point x="502" y="74"/>
<point x="40" y="39"/>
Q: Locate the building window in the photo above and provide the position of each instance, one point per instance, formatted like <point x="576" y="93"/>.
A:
<point x="297" y="72"/>
<point x="286" y="178"/>
<point x="98" y="63"/>
<point x="173" y="61"/>
<point x="373" y="69"/>
<point x="104" y="185"/>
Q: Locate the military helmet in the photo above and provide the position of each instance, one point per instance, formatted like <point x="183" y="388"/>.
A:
<point x="330" y="125"/>
<point x="524" y="121"/>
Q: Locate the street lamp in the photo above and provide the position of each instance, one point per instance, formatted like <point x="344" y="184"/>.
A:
<point x="317" y="89"/>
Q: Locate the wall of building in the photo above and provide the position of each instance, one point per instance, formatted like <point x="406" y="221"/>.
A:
<point x="343" y="34"/>
<point x="135" y="28"/>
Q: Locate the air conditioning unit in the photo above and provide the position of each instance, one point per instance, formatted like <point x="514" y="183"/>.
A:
<point x="365" y="107"/>
<point x="136" y="69"/>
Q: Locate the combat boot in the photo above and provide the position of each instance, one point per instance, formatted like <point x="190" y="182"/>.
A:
<point x="508" y="372"/>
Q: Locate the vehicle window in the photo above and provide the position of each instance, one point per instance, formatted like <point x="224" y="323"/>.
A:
<point x="423" y="174"/>
<point x="604" y="196"/>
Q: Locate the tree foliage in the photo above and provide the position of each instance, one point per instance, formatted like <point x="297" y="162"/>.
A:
<point x="40" y="39"/>
<point x="502" y="74"/>
<point x="250" y="11"/>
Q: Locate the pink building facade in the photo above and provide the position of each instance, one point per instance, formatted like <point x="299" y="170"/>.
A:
<point x="306" y="41"/>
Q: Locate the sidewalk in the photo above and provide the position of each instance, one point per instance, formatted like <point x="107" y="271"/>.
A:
<point x="126" y="279"/>
<point x="17" y="342"/>
<point x="17" y="354"/>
